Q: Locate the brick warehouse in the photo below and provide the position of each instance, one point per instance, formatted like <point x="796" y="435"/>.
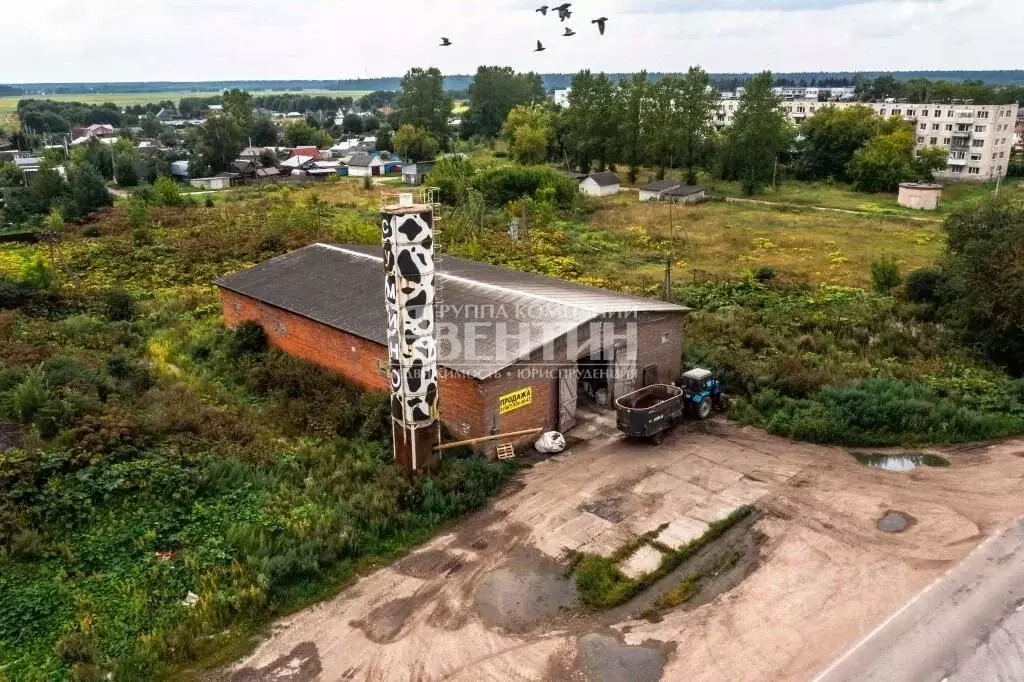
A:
<point x="516" y="351"/>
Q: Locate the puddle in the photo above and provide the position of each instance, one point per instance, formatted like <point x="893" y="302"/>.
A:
<point x="605" y="658"/>
<point x="895" y="522"/>
<point x="302" y="664"/>
<point x="904" y="462"/>
<point x="609" y="509"/>
<point x="526" y="592"/>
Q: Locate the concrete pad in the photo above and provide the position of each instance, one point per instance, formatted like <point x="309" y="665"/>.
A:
<point x="704" y="474"/>
<point x="580" y="530"/>
<point x="714" y="509"/>
<point x="682" y="531"/>
<point x="643" y="561"/>
<point x="761" y="466"/>
<point x="608" y="542"/>
<point x="745" y="491"/>
<point x="658" y="483"/>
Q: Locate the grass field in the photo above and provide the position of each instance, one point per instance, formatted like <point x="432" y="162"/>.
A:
<point x="844" y="197"/>
<point x="9" y="104"/>
<point x="727" y="240"/>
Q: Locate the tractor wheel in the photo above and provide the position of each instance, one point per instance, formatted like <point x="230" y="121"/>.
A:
<point x="704" y="409"/>
<point x="657" y="438"/>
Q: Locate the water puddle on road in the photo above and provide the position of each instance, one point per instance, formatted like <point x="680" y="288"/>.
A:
<point x="903" y="462"/>
<point x="895" y="522"/>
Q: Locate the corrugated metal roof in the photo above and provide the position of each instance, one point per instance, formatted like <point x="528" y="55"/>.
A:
<point x="660" y="185"/>
<point x="605" y="178"/>
<point x="684" y="190"/>
<point x="343" y="287"/>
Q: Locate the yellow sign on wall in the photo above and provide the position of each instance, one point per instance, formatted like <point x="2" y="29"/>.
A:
<point x="515" y="400"/>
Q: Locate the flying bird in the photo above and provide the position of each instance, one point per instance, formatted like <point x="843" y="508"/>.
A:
<point x="543" y="9"/>
<point x="563" y="10"/>
<point x="600" y="24"/>
<point x="569" y="33"/>
<point x="540" y="47"/>
<point x="445" y="42"/>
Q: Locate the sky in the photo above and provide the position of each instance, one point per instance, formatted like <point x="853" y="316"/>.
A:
<point x="196" y="40"/>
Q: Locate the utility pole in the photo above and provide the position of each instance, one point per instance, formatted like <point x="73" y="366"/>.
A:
<point x="671" y="255"/>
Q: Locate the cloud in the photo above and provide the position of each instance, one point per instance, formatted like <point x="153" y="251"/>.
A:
<point x="693" y="6"/>
<point x="190" y="40"/>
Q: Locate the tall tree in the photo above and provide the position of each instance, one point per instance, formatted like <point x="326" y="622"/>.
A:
<point x="830" y="138"/>
<point x="494" y="92"/>
<point x="695" y="116"/>
<point x="238" y="105"/>
<point x="759" y="134"/>
<point x="528" y="133"/>
<point x="424" y="103"/>
<point x="633" y="102"/>
<point x="414" y="143"/>
<point x="221" y="139"/>
<point x="302" y="134"/>
<point x="664" y="133"/>
<point x="592" y="121"/>
<point x="888" y="159"/>
<point x="984" y="266"/>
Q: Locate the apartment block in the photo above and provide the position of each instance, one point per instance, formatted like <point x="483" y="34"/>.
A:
<point x="979" y="138"/>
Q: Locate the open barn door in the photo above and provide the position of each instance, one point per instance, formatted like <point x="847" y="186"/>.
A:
<point x="624" y="374"/>
<point x="568" y="392"/>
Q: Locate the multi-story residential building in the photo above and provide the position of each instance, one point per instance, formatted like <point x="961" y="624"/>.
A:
<point x="979" y="138"/>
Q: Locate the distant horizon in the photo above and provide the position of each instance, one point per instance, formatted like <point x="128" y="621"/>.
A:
<point x="934" y="74"/>
<point x="454" y="82"/>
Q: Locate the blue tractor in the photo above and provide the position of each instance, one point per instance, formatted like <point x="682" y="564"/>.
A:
<point x="702" y="393"/>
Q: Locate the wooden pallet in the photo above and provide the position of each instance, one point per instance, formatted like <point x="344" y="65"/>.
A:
<point x="506" y="451"/>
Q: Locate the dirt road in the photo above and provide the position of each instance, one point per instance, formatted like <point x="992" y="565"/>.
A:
<point x="491" y="602"/>
<point x="967" y="626"/>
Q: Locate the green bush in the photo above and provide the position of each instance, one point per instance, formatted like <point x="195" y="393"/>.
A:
<point x="885" y="274"/>
<point x="118" y="305"/>
<point x="924" y="285"/>
<point x="505" y="184"/>
<point x="877" y="412"/>
<point x="765" y="274"/>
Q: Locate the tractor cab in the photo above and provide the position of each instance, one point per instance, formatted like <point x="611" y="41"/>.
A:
<point x="702" y="392"/>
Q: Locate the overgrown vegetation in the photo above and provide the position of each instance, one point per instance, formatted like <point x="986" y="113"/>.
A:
<point x="602" y="585"/>
<point x="161" y="454"/>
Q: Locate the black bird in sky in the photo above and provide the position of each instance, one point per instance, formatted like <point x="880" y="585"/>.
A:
<point x="563" y="10"/>
<point x="540" y="47"/>
<point x="543" y="9"/>
<point x="445" y="42"/>
<point x="569" y="33"/>
<point x="600" y="24"/>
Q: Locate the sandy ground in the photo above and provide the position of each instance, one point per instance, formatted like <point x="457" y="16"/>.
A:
<point x="490" y="601"/>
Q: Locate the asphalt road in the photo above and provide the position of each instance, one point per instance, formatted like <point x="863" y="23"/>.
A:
<point x="968" y="626"/>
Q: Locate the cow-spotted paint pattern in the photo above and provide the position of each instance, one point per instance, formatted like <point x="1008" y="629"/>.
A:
<point x="408" y="241"/>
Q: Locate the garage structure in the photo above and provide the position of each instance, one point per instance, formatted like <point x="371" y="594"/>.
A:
<point x="516" y="351"/>
<point x="604" y="184"/>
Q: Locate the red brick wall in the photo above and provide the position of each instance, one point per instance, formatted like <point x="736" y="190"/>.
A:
<point x="462" y="407"/>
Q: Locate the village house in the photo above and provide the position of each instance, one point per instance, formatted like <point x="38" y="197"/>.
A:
<point x="600" y="184"/>
<point x="414" y="173"/>
<point x="364" y="165"/>
<point x="672" y="190"/>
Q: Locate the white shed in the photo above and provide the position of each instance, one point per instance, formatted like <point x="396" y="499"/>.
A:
<point x="672" y="190"/>
<point x="214" y="183"/>
<point x="922" y="196"/>
<point x="362" y="165"/>
<point x="600" y="184"/>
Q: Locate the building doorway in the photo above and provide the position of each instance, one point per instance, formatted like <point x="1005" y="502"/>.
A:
<point x="568" y="396"/>
<point x="594" y="373"/>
